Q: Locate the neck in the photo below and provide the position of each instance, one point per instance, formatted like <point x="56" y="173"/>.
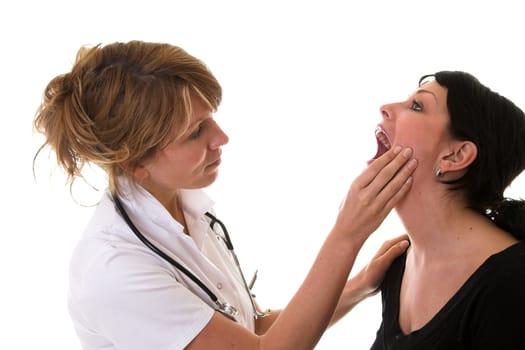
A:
<point x="438" y="223"/>
<point x="175" y="209"/>
<point x="442" y="229"/>
<point x="170" y="200"/>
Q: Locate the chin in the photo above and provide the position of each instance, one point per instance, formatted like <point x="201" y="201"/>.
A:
<point x="208" y="180"/>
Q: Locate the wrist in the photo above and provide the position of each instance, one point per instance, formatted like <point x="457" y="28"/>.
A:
<point x="357" y="290"/>
<point x="353" y="238"/>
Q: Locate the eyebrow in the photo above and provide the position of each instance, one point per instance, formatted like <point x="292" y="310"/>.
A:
<point x="196" y="123"/>
<point x="428" y="92"/>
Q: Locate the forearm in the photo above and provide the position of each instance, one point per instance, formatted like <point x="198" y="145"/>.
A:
<point x="369" y="200"/>
<point x="301" y="324"/>
<point x="367" y="282"/>
<point x="310" y="310"/>
<point x="352" y="295"/>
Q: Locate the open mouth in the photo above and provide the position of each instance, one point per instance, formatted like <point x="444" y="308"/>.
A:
<point x="383" y="142"/>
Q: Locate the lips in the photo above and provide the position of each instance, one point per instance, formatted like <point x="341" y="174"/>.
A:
<point x="383" y="142"/>
<point x="215" y="163"/>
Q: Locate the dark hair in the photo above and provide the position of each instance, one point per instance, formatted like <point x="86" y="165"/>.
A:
<point x="497" y="127"/>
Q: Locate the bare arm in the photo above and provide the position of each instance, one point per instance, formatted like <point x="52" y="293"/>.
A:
<point x="367" y="282"/>
<point x="300" y="325"/>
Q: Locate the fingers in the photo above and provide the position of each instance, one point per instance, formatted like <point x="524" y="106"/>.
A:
<point x="370" y="173"/>
<point x="371" y="276"/>
<point x="384" y="260"/>
<point x="398" y="183"/>
<point x="390" y="164"/>
<point x="397" y="243"/>
<point x="375" y="192"/>
<point x="393" y="249"/>
<point x="388" y="178"/>
<point x="388" y="252"/>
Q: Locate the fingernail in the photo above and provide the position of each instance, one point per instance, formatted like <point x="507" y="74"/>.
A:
<point x="397" y="149"/>
<point x="407" y="152"/>
<point x="412" y="164"/>
<point x="404" y="244"/>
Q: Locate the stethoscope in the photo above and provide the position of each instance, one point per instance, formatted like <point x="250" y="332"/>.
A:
<point x="224" y="308"/>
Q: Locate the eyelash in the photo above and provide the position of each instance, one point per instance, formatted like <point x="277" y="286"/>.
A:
<point x="195" y="135"/>
<point x="416" y="106"/>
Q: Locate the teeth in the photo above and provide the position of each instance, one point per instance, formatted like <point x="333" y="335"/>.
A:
<point x="382" y="137"/>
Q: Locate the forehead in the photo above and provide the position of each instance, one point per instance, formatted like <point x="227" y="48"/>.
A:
<point x="437" y="93"/>
<point x="433" y="88"/>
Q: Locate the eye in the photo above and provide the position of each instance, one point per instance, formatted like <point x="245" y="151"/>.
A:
<point x="196" y="133"/>
<point x="416" y="106"/>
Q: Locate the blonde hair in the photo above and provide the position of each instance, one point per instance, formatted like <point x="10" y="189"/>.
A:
<point x="120" y="104"/>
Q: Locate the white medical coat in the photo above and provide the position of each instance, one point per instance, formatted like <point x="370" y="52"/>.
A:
<point x="123" y="296"/>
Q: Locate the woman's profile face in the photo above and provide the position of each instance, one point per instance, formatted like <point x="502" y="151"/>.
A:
<point x="420" y="122"/>
<point x="192" y="161"/>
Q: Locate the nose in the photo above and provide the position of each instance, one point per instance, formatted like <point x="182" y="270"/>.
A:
<point x="386" y="111"/>
<point x="219" y="137"/>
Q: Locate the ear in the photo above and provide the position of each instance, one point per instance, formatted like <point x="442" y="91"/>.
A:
<point x="139" y="172"/>
<point x="459" y="157"/>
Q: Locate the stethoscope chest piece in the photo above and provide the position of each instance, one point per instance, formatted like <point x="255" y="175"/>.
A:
<point x="227" y="310"/>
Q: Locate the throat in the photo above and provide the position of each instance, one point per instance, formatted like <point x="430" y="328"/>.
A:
<point x="178" y="214"/>
<point x="182" y="220"/>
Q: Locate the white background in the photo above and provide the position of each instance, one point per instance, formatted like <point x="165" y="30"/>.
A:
<point x="303" y="81"/>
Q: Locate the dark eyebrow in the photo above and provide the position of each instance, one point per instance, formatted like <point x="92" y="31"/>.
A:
<point x="426" y="91"/>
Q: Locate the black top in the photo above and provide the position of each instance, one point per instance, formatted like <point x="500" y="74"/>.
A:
<point x="487" y="312"/>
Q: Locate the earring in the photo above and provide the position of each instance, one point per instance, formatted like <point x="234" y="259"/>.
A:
<point x="438" y="172"/>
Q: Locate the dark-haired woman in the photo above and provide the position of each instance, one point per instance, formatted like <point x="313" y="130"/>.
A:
<point x="461" y="284"/>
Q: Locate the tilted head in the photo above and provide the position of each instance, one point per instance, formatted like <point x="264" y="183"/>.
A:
<point x="497" y="127"/>
<point x="120" y="103"/>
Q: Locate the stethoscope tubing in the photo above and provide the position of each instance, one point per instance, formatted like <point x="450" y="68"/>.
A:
<point x="224" y="308"/>
<point x="155" y="249"/>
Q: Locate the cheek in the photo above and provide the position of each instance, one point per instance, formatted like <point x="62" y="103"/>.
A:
<point x="190" y="162"/>
<point x="422" y="138"/>
<point x="408" y="133"/>
<point x="178" y="164"/>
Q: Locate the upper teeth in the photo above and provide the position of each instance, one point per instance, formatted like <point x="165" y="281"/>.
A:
<point x="381" y="136"/>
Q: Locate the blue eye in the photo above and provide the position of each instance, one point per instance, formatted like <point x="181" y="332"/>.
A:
<point x="416" y="106"/>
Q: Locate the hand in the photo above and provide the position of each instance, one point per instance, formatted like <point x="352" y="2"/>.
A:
<point x="367" y="282"/>
<point x="374" y="193"/>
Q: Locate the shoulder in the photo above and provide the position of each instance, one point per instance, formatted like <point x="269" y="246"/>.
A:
<point x="507" y="264"/>
<point x="502" y="276"/>
<point x="115" y="287"/>
<point x="103" y="268"/>
<point x="497" y="311"/>
<point x="107" y="258"/>
<point x="396" y="270"/>
<point x="391" y="284"/>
